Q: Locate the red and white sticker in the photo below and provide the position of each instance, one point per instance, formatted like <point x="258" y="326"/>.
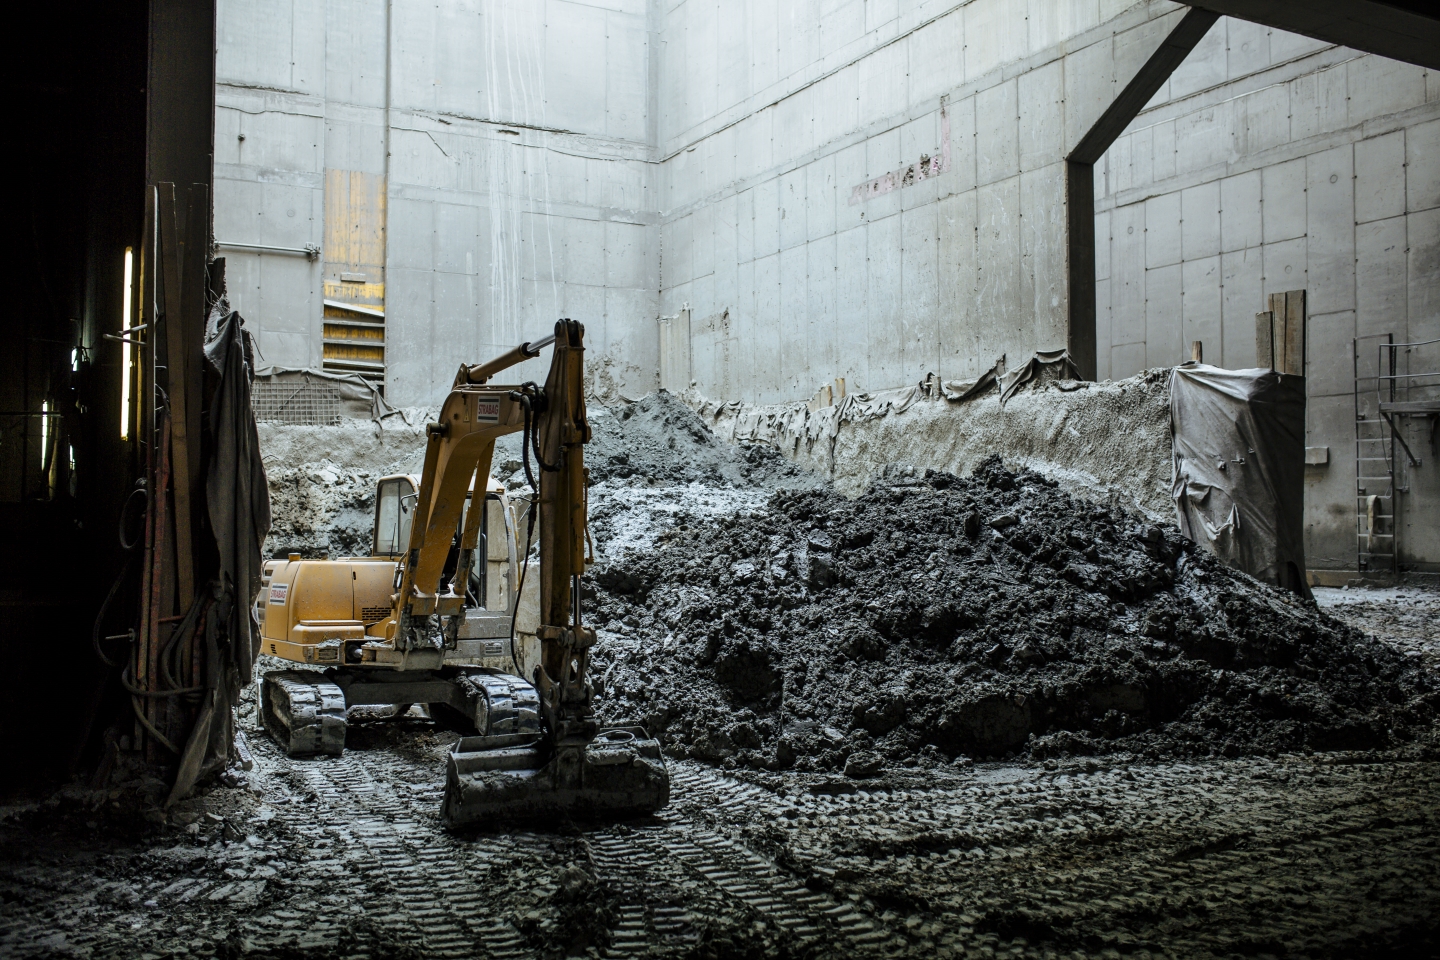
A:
<point x="486" y="410"/>
<point x="278" y="592"/>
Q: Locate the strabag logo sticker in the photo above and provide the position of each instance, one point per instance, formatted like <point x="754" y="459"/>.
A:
<point x="487" y="411"/>
<point x="278" y="591"/>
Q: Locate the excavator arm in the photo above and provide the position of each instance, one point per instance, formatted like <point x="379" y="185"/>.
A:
<point x="460" y="446"/>
<point x="575" y="766"/>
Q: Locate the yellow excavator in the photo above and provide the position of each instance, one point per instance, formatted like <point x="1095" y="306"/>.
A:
<point x="422" y="620"/>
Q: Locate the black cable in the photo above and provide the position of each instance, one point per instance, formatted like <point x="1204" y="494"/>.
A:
<point x="100" y="617"/>
<point x="124" y="512"/>
<point x="184" y="630"/>
<point x="529" y="522"/>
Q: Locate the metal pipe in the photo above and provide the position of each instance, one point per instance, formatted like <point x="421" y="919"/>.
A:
<point x="310" y="251"/>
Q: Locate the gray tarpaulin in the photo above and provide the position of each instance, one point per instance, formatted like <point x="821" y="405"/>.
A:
<point x="238" y="502"/>
<point x="1239" y="468"/>
<point x="359" y="398"/>
<point x="235" y="488"/>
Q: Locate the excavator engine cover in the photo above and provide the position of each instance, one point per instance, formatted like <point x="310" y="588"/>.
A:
<point x="619" y="773"/>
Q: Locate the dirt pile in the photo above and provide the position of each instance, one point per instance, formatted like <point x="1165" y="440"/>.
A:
<point x="658" y="439"/>
<point x="322" y="479"/>
<point x="937" y="619"/>
<point x="657" y="467"/>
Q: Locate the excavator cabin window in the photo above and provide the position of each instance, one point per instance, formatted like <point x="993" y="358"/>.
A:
<point x="394" y="511"/>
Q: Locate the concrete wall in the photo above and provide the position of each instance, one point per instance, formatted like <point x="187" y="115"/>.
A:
<point x="772" y="115"/>
<point x="1268" y="163"/>
<point x="513" y="139"/>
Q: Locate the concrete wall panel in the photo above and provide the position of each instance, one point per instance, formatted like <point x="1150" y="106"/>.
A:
<point x="768" y="336"/>
<point x="852" y="349"/>
<point x="1330" y="229"/>
<point x="999" y="306"/>
<point x="1201" y="310"/>
<point x="920" y="294"/>
<point x="1200" y="221"/>
<point x="1162" y="230"/>
<point x="1240" y="212"/>
<point x="1127" y="275"/>
<point x="1380" y="287"/>
<point x="791" y="197"/>
<point x="1380" y="177"/>
<point x="822" y="323"/>
<point x="1041" y="110"/>
<point x="1330" y="531"/>
<point x="1043" y="279"/>
<point x="794" y="323"/>
<point x="1242" y="296"/>
<point x="1126" y="360"/>
<point x="1286" y="266"/>
<point x="1247" y="47"/>
<point x="997" y="133"/>
<point x="1163" y="312"/>
<point x="1283" y="201"/>
<point x="1329" y="355"/>
<point x="767" y="218"/>
<point x="1422" y="166"/>
<point x="885" y="326"/>
<point x="957" y="278"/>
<point x="1423" y="275"/>
<point x="1377" y="86"/>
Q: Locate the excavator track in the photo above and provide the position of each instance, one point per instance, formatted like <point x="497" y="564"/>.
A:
<point x="504" y="705"/>
<point x="303" y="713"/>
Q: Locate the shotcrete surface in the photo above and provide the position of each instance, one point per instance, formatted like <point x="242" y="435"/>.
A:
<point x="1108" y="442"/>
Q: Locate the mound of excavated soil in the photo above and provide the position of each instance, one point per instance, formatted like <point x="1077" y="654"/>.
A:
<point x="322" y="479"/>
<point x="985" y="617"/>
<point x="659" y="440"/>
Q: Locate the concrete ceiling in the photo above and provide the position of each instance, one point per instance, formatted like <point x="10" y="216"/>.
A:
<point x="1400" y="29"/>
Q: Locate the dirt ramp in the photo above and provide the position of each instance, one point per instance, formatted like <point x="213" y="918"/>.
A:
<point x="939" y="618"/>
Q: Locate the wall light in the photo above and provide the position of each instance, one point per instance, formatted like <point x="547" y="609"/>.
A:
<point x="125" y="346"/>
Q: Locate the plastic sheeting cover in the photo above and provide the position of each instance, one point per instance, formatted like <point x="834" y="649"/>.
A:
<point x="1238" y="449"/>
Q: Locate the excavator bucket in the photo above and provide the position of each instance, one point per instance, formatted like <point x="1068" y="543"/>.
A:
<point x="506" y="778"/>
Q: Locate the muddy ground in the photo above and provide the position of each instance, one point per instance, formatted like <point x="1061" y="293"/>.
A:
<point x="1117" y="828"/>
<point x="1333" y="855"/>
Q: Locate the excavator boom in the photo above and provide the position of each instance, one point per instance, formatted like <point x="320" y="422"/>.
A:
<point x="575" y="767"/>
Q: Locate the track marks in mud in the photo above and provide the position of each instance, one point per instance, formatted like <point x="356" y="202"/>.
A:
<point x="665" y="876"/>
<point x="347" y="857"/>
<point x="1200" y="860"/>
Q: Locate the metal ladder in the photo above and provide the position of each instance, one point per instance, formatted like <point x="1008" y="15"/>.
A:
<point x="1374" y="458"/>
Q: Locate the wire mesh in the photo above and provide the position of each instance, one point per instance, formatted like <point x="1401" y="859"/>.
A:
<point x="306" y="403"/>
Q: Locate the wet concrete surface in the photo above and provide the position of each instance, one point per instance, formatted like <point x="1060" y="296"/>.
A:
<point x="1330" y="855"/>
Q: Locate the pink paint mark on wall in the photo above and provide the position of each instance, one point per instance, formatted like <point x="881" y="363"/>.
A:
<point x="929" y="166"/>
